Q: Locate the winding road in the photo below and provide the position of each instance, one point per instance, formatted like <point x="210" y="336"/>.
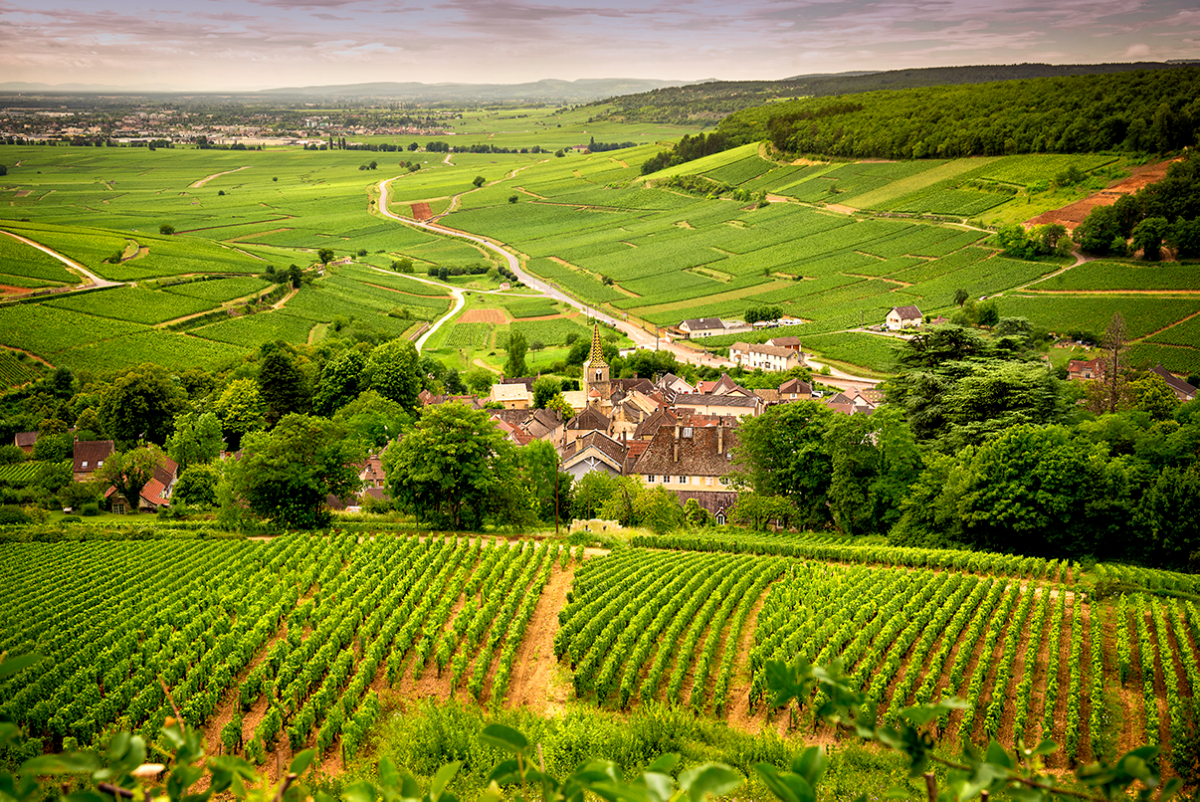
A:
<point x="640" y="337"/>
<point x="95" y="280"/>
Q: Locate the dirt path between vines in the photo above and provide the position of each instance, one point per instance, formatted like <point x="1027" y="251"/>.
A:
<point x="534" y="682"/>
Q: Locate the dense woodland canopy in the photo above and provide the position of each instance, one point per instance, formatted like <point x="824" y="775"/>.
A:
<point x="712" y="100"/>
<point x="1138" y="111"/>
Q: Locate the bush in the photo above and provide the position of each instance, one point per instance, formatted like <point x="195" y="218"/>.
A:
<point x="12" y="515"/>
<point x="90" y="509"/>
<point x="71" y="519"/>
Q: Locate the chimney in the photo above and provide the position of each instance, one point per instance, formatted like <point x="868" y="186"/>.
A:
<point x="720" y="439"/>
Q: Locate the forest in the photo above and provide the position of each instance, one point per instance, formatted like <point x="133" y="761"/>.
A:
<point x="1137" y="111"/>
<point x="711" y="100"/>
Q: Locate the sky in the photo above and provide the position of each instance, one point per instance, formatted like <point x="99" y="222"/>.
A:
<point x="256" y="44"/>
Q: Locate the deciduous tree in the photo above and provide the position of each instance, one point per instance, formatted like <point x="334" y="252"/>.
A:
<point x="393" y="372"/>
<point x="130" y="471"/>
<point x="142" y="404"/>
<point x="285" y="475"/>
<point x="197" y="439"/>
<point x="454" y="469"/>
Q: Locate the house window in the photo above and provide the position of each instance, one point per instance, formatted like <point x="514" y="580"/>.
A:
<point x="118" y="508"/>
<point x="85" y="463"/>
<point x="720" y="519"/>
<point x="683" y="480"/>
<point x="724" y="480"/>
<point x="650" y="478"/>
<point x="708" y="481"/>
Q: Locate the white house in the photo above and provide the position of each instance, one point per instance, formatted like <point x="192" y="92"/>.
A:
<point x="699" y="327"/>
<point x="903" y="317"/>
<point x="767" y="357"/>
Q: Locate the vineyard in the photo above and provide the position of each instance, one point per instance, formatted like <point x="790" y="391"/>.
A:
<point x="270" y="646"/>
<point x="1019" y="640"/>
<point x="301" y="641"/>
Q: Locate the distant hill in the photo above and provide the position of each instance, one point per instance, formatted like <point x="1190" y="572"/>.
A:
<point x="545" y="91"/>
<point x="716" y="99"/>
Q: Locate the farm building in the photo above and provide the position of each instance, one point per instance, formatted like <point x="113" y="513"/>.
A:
<point x="1085" y="369"/>
<point x="1183" y="391"/>
<point x="903" y="317"/>
<point x="90" y="455"/>
<point x="692" y="462"/>
<point x="155" y="495"/>
<point x="25" y="441"/>
<point x="767" y="357"/>
<point x="700" y="327"/>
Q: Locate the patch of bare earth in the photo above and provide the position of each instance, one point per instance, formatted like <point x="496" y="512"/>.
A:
<point x="483" y="316"/>
<point x="837" y="207"/>
<point x="1073" y="214"/>
<point x="421" y="211"/>
<point x="205" y="180"/>
<point x="739" y="714"/>
<point x="533" y="683"/>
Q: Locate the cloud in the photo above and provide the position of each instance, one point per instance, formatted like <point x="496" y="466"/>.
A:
<point x="1137" y="51"/>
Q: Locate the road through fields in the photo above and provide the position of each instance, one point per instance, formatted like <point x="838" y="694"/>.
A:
<point x="641" y="337"/>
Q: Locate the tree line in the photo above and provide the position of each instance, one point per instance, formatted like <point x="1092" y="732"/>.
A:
<point x="1143" y="111"/>
<point x="981" y="445"/>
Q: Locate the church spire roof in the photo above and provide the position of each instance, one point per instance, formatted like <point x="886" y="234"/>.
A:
<point x="596" y="357"/>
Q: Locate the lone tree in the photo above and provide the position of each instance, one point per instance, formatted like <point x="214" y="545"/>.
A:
<point x="515" y="364"/>
<point x="287" y="474"/>
<point x="454" y="469"/>
<point x="325" y="255"/>
<point x="166" y="229"/>
<point x="478" y="181"/>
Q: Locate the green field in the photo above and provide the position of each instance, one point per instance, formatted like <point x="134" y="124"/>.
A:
<point x="580" y="221"/>
<point x="24" y="266"/>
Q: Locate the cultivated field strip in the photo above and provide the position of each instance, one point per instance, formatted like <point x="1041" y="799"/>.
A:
<point x="1030" y="655"/>
<point x="295" y="637"/>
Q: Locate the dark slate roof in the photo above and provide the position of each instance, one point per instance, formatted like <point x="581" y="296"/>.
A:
<point x="704" y="400"/>
<point x="703" y="323"/>
<point x="1177" y="384"/>
<point x="627" y="386"/>
<point x="659" y="418"/>
<point x="694" y="453"/>
<point x="795" y="386"/>
<point x="513" y="417"/>
<point x="25" y="439"/>
<point x="614" y="450"/>
<point x="590" y="419"/>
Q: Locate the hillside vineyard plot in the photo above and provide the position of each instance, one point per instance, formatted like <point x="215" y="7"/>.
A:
<point x="292" y="639"/>
<point x="1025" y="649"/>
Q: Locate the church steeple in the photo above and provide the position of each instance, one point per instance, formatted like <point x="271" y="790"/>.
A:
<point x="596" y="356"/>
<point x="595" y="371"/>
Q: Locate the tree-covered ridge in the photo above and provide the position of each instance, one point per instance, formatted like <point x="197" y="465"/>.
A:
<point x="714" y="99"/>
<point x="1139" y="111"/>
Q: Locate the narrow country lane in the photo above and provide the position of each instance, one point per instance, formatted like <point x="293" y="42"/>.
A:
<point x="95" y="280"/>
